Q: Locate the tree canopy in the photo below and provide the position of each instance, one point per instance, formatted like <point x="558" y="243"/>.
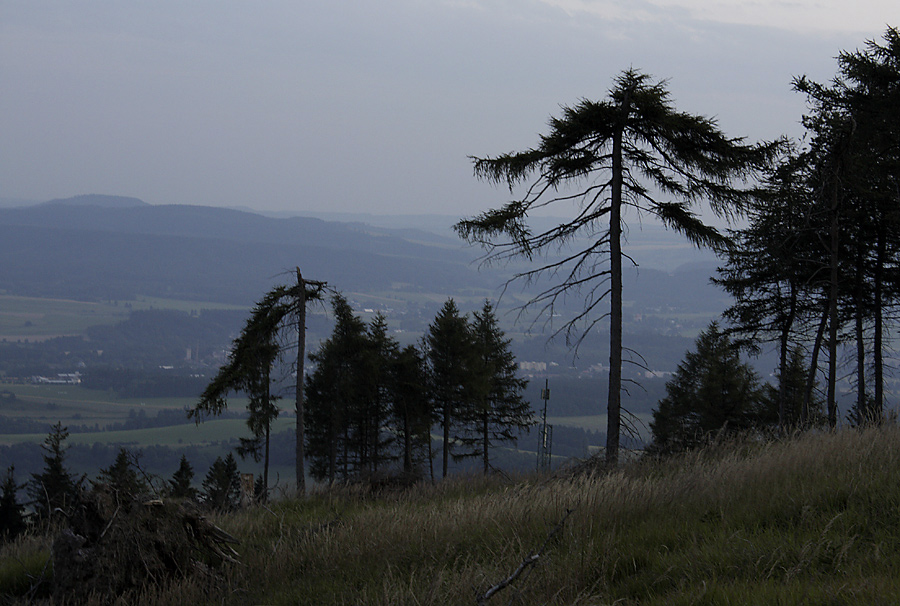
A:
<point x="633" y="150"/>
<point x="712" y="391"/>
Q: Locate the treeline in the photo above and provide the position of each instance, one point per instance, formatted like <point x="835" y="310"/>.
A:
<point x="817" y="268"/>
<point x="55" y="491"/>
<point x="136" y="420"/>
<point x="816" y="271"/>
<point x="49" y="475"/>
<point x="371" y="405"/>
<point x="150" y="383"/>
<point x="368" y="407"/>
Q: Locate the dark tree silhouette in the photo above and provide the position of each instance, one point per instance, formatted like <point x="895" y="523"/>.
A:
<point x="249" y="366"/>
<point x="633" y="150"/>
<point x="711" y="391"/>
<point x="12" y="513"/>
<point x="55" y="488"/>
<point x="180" y="486"/>
<point x="449" y="351"/>
<point x="498" y="412"/>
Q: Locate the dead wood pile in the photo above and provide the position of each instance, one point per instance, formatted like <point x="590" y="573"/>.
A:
<point x="114" y="546"/>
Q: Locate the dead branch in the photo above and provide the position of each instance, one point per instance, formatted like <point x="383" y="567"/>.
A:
<point x="527" y="563"/>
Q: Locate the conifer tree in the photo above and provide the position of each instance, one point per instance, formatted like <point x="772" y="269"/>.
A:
<point x="180" y="485"/>
<point x="712" y="391"/>
<point x="248" y="370"/>
<point x="222" y="485"/>
<point x="122" y="478"/>
<point x="449" y="353"/>
<point x="632" y="150"/>
<point x="55" y="488"/>
<point x="12" y="513"/>
<point x="855" y="151"/>
<point x="380" y="352"/>
<point x="336" y="395"/>
<point x="770" y="268"/>
<point x="410" y="408"/>
<point x="249" y="366"/>
<point x="788" y="396"/>
<point x="498" y="412"/>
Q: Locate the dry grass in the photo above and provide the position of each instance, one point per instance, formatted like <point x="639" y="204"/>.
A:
<point x="811" y="520"/>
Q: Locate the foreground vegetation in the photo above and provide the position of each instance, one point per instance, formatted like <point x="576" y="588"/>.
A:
<point x="810" y="520"/>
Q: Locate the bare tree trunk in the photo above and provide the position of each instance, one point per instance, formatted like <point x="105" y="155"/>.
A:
<point x="833" y="316"/>
<point x="862" y="405"/>
<point x="782" y="362"/>
<point x="813" y="368"/>
<point x="614" y="399"/>
<point x="484" y="433"/>
<point x="265" y="492"/>
<point x="407" y="442"/>
<point x="446" y="449"/>
<point x="878" y="345"/>
<point x="300" y="406"/>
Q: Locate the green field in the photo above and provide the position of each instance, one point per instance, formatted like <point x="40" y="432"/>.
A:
<point x="74" y="405"/>
<point x="598" y="422"/>
<point x="217" y="430"/>
<point x="38" y="319"/>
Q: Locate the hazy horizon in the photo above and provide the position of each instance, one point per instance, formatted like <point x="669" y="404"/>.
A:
<point x="358" y="107"/>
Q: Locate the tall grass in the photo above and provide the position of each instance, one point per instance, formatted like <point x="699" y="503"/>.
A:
<point x="810" y="520"/>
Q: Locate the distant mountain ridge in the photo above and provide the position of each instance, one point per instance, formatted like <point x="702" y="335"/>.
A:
<point x="123" y="247"/>
<point x="116" y="248"/>
<point x="100" y="200"/>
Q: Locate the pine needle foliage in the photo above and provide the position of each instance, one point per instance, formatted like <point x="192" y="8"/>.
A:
<point x="632" y="150"/>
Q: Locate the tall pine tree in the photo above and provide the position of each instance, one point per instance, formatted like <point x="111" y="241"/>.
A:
<point x="630" y="150"/>
<point x="12" y="513"/>
<point x="449" y="351"/>
<point x="55" y="488"/>
<point x="498" y="412"/>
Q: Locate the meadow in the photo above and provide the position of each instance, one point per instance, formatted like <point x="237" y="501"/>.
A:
<point x="37" y="319"/>
<point x="814" y="519"/>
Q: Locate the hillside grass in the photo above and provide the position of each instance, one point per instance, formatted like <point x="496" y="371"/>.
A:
<point x="810" y="520"/>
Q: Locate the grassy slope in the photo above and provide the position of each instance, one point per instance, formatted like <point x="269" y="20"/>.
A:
<point x="814" y="520"/>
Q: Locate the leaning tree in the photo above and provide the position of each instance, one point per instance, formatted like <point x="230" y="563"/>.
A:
<point x="250" y="362"/>
<point x="632" y="150"/>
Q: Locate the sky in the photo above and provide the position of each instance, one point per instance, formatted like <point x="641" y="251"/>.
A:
<point x="371" y="107"/>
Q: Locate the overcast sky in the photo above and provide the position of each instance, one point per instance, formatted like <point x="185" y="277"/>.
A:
<point x="368" y="106"/>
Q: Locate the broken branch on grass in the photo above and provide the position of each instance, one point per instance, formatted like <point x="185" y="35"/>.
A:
<point x="529" y="561"/>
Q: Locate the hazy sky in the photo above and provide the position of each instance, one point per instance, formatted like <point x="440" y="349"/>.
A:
<point x="370" y="106"/>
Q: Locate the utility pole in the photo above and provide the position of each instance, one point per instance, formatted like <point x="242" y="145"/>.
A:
<point x="545" y="439"/>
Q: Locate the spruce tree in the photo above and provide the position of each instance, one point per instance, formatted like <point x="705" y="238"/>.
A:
<point x="631" y="150"/>
<point x="180" y="486"/>
<point x="12" y="513"/>
<point x="855" y="154"/>
<point x="380" y="352"/>
<point x="55" y="488"/>
<point x="222" y="485"/>
<point x="122" y="478"/>
<point x="250" y="363"/>
<point x="449" y="353"/>
<point x="336" y="398"/>
<point x="411" y="408"/>
<point x="770" y="271"/>
<point x="711" y="391"/>
<point x="498" y="412"/>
